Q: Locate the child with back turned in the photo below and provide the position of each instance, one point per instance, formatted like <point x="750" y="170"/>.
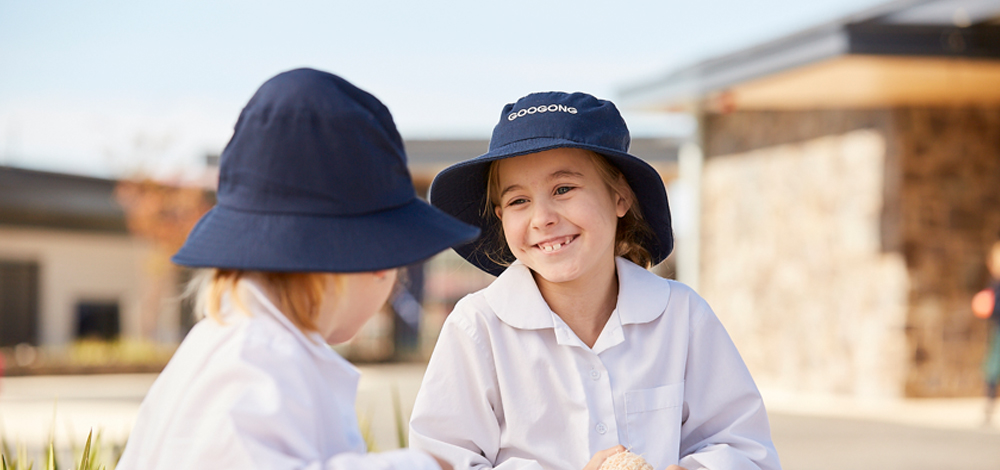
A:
<point x="991" y="311"/>
<point x="576" y="352"/>
<point x="315" y="210"/>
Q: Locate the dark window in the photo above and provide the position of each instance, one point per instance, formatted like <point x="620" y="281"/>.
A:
<point x="97" y="320"/>
<point x="18" y="303"/>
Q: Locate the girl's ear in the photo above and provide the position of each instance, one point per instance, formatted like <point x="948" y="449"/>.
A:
<point x="622" y="203"/>
<point x="498" y="212"/>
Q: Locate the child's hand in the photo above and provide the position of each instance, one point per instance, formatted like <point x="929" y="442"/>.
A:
<point x="599" y="458"/>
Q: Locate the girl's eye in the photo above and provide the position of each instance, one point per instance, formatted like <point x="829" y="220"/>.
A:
<point x="514" y="202"/>
<point x="563" y="189"/>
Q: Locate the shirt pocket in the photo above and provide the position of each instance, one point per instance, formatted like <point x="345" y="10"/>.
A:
<point x="653" y="420"/>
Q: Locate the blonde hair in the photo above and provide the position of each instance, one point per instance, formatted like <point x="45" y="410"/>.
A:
<point x="299" y="295"/>
<point x="631" y="235"/>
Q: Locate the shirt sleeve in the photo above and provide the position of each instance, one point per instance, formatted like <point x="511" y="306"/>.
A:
<point x="250" y="416"/>
<point x="276" y="417"/>
<point x="457" y="412"/>
<point x="724" y="423"/>
<point x="393" y="460"/>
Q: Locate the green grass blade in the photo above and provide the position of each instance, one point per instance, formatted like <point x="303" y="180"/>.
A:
<point x="3" y="462"/>
<point x="397" y="411"/>
<point x="6" y="447"/>
<point x="85" y="460"/>
<point x="365" y="426"/>
<point x="51" y="458"/>
<point x="22" y="456"/>
<point x="95" y="450"/>
<point x="50" y="461"/>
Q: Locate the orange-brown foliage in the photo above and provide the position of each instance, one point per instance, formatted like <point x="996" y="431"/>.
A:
<point x="160" y="213"/>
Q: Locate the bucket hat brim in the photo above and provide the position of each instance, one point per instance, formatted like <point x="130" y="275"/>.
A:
<point x="282" y="242"/>
<point x="460" y="190"/>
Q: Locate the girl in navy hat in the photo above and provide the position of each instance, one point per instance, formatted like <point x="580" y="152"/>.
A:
<point x="315" y="210"/>
<point x="576" y="351"/>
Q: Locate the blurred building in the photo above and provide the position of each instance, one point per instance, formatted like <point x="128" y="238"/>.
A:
<point x="849" y="180"/>
<point x="69" y="268"/>
<point x="75" y="264"/>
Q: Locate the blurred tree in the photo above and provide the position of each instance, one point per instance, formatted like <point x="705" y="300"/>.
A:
<point x="162" y="214"/>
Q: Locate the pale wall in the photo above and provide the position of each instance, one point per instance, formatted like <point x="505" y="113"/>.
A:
<point x="76" y="266"/>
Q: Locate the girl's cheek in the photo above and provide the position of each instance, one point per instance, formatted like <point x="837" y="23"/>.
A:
<point x="511" y="235"/>
<point x="508" y="221"/>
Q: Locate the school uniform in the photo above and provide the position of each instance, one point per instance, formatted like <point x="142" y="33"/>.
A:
<point x="510" y="386"/>
<point x="255" y="392"/>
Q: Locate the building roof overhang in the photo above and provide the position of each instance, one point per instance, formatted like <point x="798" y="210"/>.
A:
<point x="31" y="198"/>
<point x="912" y="52"/>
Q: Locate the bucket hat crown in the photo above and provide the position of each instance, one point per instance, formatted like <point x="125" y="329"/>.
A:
<point x="279" y="159"/>
<point x="315" y="179"/>
<point x="540" y="122"/>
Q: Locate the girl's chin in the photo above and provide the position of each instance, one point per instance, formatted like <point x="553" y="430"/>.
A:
<point x="564" y="271"/>
<point x="555" y="275"/>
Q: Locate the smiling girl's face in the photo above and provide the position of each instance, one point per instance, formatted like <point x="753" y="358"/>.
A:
<point x="558" y="216"/>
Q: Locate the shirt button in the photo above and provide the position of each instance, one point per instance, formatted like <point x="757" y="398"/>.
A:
<point x="601" y="428"/>
<point x="595" y="374"/>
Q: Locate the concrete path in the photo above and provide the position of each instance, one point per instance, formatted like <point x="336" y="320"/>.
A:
<point x="811" y="433"/>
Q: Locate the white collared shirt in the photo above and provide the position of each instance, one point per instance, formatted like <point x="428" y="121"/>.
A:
<point x="509" y="385"/>
<point x="255" y="393"/>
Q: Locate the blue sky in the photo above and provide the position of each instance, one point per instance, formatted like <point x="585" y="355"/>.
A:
<point x="112" y="88"/>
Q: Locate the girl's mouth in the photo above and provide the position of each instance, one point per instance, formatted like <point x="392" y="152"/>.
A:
<point x="555" y="244"/>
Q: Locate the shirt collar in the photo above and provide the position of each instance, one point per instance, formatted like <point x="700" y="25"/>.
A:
<point x="516" y="300"/>
<point x="313" y="341"/>
<point x="642" y="295"/>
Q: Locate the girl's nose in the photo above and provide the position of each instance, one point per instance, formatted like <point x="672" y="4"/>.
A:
<point x="543" y="215"/>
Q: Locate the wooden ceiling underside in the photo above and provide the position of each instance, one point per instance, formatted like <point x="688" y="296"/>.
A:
<point x="868" y="81"/>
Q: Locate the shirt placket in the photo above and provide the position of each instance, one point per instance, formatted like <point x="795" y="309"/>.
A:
<point x="594" y="378"/>
<point x="604" y="427"/>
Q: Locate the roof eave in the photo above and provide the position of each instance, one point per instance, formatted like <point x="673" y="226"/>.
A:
<point x="860" y="33"/>
<point x="689" y="85"/>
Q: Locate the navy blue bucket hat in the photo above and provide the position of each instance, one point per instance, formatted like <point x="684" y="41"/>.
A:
<point x="314" y="179"/>
<point x="546" y="121"/>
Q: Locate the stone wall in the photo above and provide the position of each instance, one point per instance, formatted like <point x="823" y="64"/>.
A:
<point x="841" y="247"/>
<point x="792" y="263"/>
<point x="950" y="215"/>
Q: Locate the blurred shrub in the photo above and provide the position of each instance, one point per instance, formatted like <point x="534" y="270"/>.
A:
<point x="88" y="356"/>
